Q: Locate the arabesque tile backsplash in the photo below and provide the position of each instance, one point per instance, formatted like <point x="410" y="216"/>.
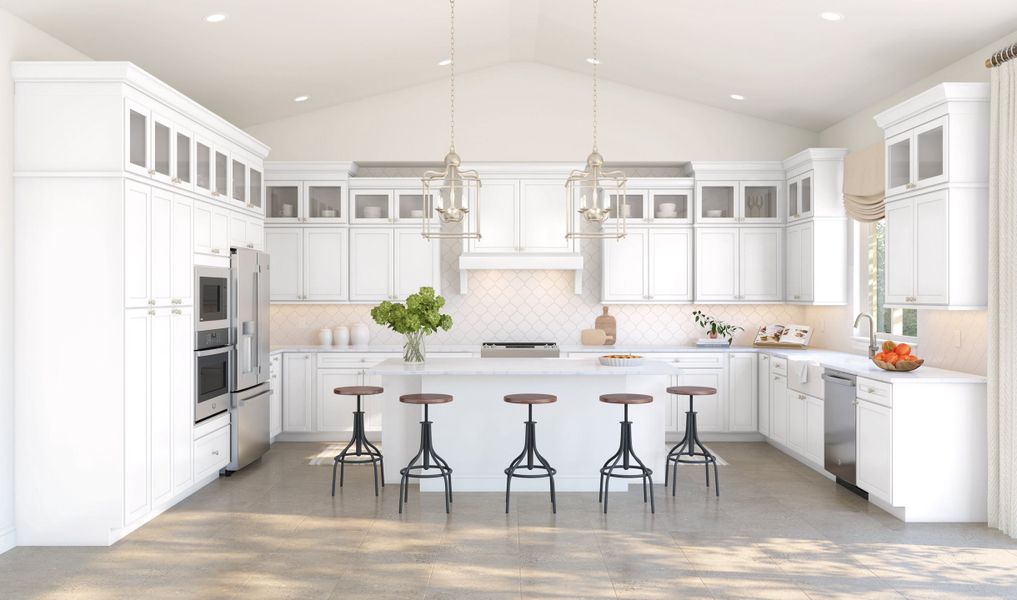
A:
<point x="542" y="306"/>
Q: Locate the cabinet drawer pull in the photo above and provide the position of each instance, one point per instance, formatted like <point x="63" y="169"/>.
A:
<point x="855" y="402"/>
<point x="151" y="302"/>
<point x="177" y="301"/>
<point x="151" y="172"/>
<point x="215" y="453"/>
<point x="151" y="312"/>
<point x="177" y="311"/>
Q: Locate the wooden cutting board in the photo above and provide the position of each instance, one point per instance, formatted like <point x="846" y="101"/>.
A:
<point x="608" y="325"/>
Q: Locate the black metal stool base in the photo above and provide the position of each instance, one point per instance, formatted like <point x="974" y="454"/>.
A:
<point x="429" y="460"/>
<point x="623" y="459"/>
<point x="530" y="453"/>
<point x="364" y="452"/>
<point x="688" y="448"/>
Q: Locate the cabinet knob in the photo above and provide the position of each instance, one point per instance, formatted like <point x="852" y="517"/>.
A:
<point x="151" y="171"/>
<point x="151" y="312"/>
<point x="177" y="301"/>
<point x="855" y="402"/>
<point x="870" y="390"/>
<point x="151" y="302"/>
<point x="215" y="453"/>
<point x="215" y="251"/>
<point x="177" y="311"/>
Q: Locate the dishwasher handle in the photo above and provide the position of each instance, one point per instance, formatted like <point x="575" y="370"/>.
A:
<point x="838" y="380"/>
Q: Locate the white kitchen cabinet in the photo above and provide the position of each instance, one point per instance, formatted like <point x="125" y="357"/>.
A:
<point x="299" y="406"/>
<point x="815" y="430"/>
<point x="799" y="197"/>
<point x="245" y="231"/>
<point x="657" y="205"/>
<point x="220" y="173"/>
<point x="778" y="408"/>
<point x="285" y="246"/>
<point x="815" y="259"/>
<point x="648" y="265"/>
<point x="900" y="251"/>
<point x="874" y="433"/>
<point x="499" y="221"/>
<point x="743" y="400"/>
<point x="335" y="413"/>
<point x="137" y="151"/>
<point x="796" y="421"/>
<point x="372" y="207"/>
<point x="182" y="251"/>
<point x="747" y="201"/>
<point x="155" y="256"/>
<point x="325" y="252"/>
<point x="137" y="333"/>
<point x="763" y="389"/>
<point x="710" y="410"/>
<point x="161" y="409"/>
<point x="918" y="157"/>
<point x="634" y="206"/>
<point x="161" y="168"/>
<point x="932" y="251"/>
<point x="202" y="167"/>
<point x="275" y="403"/>
<point x="391" y="263"/>
<point x="739" y="264"/>
<point x="182" y="390"/>
<point x="542" y="217"/>
<point x="238" y="186"/>
<point x="798" y="253"/>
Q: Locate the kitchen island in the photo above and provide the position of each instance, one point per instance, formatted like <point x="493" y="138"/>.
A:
<point x="479" y="434"/>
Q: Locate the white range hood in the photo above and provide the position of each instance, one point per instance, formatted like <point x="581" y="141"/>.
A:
<point x="520" y="261"/>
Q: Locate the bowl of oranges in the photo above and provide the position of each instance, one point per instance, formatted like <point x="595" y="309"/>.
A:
<point x="896" y="357"/>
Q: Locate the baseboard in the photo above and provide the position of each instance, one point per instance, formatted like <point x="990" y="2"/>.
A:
<point x="8" y="539"/>
<point x="116" y="535"/>
<point x="801" y="458"/>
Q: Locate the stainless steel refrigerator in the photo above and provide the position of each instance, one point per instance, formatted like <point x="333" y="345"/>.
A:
<point x="249" y="388"/>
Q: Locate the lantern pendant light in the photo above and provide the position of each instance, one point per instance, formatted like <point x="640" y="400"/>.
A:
<point x="457" y="191"/>
<point x="595" y="193"/>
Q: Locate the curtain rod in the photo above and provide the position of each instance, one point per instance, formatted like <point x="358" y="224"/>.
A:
<point x="1001" y="56"/>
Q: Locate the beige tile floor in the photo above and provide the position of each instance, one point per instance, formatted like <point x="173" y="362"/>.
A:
<point x="273" y="531"/>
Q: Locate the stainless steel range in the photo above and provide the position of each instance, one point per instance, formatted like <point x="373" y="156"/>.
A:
<point x="519" y="350"/>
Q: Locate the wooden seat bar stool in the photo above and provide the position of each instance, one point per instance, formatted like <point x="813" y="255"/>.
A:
<point x="530" y="452"/>
<point x="687" y="448"/>
<point x="427" y="457"/>
<point x="363" y="450"/>
<point x="624" y="458"/>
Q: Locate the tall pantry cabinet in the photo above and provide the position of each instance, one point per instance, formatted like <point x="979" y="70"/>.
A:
<point x="122" y="184"/>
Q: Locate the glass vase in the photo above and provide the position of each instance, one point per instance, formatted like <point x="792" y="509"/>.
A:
<point x="413" y="348"/>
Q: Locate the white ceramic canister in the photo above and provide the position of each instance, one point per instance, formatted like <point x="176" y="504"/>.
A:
<point x="325" y="337"/>
<point x="341" y="336"/>
<point x="359" y="335"/>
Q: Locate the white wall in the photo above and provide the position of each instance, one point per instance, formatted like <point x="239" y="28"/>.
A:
<point x="18" y="41"/>
<point x="527" y="112"/>
<point x="938" y="331"/>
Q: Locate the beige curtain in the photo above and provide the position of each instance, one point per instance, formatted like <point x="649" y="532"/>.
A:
<point x="1002" y="408"/>
<point x="863" y="184"/>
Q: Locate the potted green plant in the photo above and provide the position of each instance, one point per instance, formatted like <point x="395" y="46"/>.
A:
<point x="418" y="318"/>
<point x="715" y="328"/>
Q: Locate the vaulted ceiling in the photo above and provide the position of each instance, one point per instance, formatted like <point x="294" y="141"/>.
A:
<point x="791" y="66"/>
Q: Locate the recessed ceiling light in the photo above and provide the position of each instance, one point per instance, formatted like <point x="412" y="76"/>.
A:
<point x="300" y="98"/>
<point x="215" y="18"/>
<point x="831" y="16"/>
<point x="445" y="63"/>
<point x="737" y="97"/>
<point x="593" y="61"/>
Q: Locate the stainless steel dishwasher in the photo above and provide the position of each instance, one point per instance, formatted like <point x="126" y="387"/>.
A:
<point x="839" y="427"/>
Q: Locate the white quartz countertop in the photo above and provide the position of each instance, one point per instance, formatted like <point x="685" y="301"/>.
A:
<point x="856" y="364"/>
<point x="518" y="366"/>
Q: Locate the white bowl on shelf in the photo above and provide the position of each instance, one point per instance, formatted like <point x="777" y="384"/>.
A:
<point x="714" y="213"/>
<point x="372" y="212"/>
<point x="417" y="213"/>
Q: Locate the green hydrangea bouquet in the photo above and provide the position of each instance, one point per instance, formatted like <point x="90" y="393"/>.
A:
<point x="419" y="317"/>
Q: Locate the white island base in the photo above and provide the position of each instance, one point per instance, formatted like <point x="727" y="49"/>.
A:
<point x="479" y="434"/>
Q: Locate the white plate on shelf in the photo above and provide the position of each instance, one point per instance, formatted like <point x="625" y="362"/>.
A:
<point x="714" y="213"/>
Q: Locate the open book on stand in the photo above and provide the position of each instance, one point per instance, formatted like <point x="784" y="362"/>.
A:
<point x="783" y="336"/>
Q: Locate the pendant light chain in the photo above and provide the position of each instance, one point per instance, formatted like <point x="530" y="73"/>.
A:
<point x="596" y="61"/>
<point x="452" y="76"/>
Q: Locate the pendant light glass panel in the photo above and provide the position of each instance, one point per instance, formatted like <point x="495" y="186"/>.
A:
<point x="450" y="196"/>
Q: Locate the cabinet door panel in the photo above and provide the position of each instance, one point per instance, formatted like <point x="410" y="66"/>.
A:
<point x="335" y="413"/>
<point x="160" y="246"/>
<point x="814" y="430"/>
<point x="875" y="449"/>
<point x="202" y="229"/>
<point x="161" y="394"/>
<point x="220" y="232"/>
<point x="898" y="163"/>
<point x="542" y="218"/>
<point x="255" y="233"/>
<point x="416" y="263"/>
<point x="808" y="254"/>
<point x="760" y="265"/>
<point x="930" y="142"/>
<point x="298" y="393"/>
<point x="182" y="259"/>
<point x="325" y="264"/>
<point x="932" y="248"/>
<point x="900" y="251"/>
<point x="136" y="247"/>
<point x="794" y="263"/>
<point x="742" y="397"/>
<point x="371" y="265"/>
<point x="137" y="148"/>
<point x="182" y="364"/>
<point x="670" y="265"/>
<point x="778" y="408"/>
<point x="710" y="413"/>
<point x="625" y="268"/>
<point x="796" y="421"/>
<point x="136" y="415"/>
<point x="499" y="218"/>
<point x="716" y="265"/>
<point x="763" y="388"/>
<point x="286" y="249"/>
<point x="238" y="230"/>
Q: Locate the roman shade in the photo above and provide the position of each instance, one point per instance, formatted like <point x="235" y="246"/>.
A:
<point x="864" y="183"/>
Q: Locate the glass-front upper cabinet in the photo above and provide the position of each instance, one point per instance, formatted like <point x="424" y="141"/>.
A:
<point x="255" y="190"/>
<point x="759" y="202"/>
<point x="183" y="171"/>
<point x="324" y="202"/>
<point x="283" y="201"/>
<point x="410" y="205"/>
<point x="162" y="149"/>
<point x="633" y="207"/>
<point x="715" y="202"/>
<point x="371" y="206"/>
<point x="220" y="173"/>
<point x="238" y="191"/>
<point x="917" y="158"/>
<point x="136" y="123"/>
<point x="799" y="197"/>
<point x="670" y="206"/>
<point x="202" y="166"/>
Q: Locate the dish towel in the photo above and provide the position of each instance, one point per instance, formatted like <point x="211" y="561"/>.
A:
<point x="804" y="375"/>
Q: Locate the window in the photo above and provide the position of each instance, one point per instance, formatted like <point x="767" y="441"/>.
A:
<point x="894" y="321"/>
